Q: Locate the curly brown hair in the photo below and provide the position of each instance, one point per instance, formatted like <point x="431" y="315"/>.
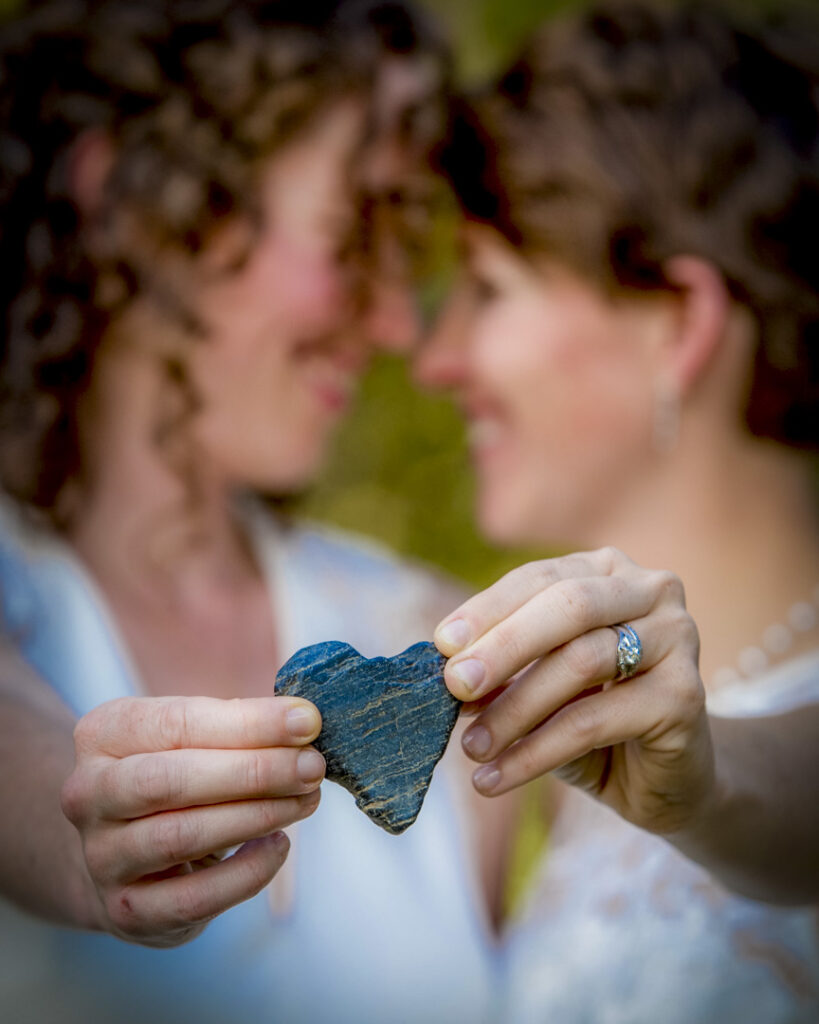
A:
<point x="634" y="132"/>
<point x="193" y="94"/>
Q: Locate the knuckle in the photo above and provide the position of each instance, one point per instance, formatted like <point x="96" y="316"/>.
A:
<point x="173" y="837"/>
<point x="88" y="730"/>
<point x="506" y="714"/>
<point x="119" y="906"/>
<point x="106" y="789"/>
<point x="611" y="556"/>
<point x="152" y="781"/>
<point x="244" y="719"/>
<point x="524" y="758"/>
<point x="98" y="724"/>
<point x="687" y="692"/>
<point x="172" y="723"/>
<point x="507" y="640"/>
<point x="586" y="657"/>
<point x="689" y="634"/>
<point x="583" y="722"/>
<point x="191" y="902"/>
<point x="269" y="815"/>
<point x="669" y="586"/>
<point x="542" y="572"/>
<point x="681" y="633"/>
<point x="577" y="604"/>
<point x="533" y="576"/>
<point x="259" y="775"/>
<point x="84" y="733"/>
<point x="74" y="798"/>
<point x="693" y="702"/>
<point x="258" y="872"/>
<point x="96" y="849"/>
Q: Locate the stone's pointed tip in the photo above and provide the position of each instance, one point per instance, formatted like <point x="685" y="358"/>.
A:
<point x="386" y="722"/>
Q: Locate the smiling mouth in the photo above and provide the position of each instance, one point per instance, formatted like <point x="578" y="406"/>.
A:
<point x="332" y="370"/>
<point x="334" y="385"/>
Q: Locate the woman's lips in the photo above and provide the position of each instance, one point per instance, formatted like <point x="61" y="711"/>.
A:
<point x="325" y="377"/>
<point x="331" y="385"/>
<point x="334" y="397"/>
<point x="331" y="372"/>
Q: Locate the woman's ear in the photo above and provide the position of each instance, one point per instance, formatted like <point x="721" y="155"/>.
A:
<point x="704" y="312"/>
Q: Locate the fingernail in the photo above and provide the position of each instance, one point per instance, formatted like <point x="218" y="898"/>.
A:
<point x="486" y="778"/>
<point x="280" y="841"/>
<point x="470" y="673"/>
<point x="302" y="721"/>
<point x="477" y="741"/>
<point x="310" y="765"/>
<point x="454" y="635"/>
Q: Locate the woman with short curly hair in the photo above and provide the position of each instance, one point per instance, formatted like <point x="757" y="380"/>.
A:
<point x="195" y="272"/>
<point x="192" y="101"/>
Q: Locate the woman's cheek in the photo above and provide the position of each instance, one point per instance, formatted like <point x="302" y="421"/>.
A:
<point x="314" y="291"/>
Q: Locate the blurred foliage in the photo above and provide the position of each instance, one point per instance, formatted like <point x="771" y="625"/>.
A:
<point x="487" y="32"/>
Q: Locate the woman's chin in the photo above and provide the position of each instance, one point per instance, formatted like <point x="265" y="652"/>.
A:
<point x="286" y="476"/>
<point x="507" y="521"/>
<point x="502" y="524"/>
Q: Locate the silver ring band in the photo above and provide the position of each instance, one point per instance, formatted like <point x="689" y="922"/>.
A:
<point x="629" y="651"/>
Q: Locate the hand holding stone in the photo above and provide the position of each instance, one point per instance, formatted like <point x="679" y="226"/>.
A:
<point x="164" y="785"/>
<point x="536" y="655"/>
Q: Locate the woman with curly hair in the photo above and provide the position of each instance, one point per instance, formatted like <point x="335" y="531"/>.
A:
<point x="194" y="273"/>
<point x="635" y="346"/>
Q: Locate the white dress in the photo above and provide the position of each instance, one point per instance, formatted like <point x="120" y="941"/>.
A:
<point x="361" y="927"/>
<point x="621" y="929"/>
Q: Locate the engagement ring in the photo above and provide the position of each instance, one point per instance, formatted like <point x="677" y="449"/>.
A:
<point x="629" y="651"/>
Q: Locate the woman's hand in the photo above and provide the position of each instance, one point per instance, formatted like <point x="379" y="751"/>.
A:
<point x="536" y="654"/>
<point x="162" y="786"/>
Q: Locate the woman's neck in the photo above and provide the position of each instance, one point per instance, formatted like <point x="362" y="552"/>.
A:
<point x="740" y="529"/>
<point x="173" y="563"/>
<point x="151" y="522"/>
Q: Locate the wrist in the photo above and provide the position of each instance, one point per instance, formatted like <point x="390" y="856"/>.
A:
<point x="718" y="828"/>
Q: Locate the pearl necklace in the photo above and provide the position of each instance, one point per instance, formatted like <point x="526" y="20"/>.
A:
<point x="776" y="641"/>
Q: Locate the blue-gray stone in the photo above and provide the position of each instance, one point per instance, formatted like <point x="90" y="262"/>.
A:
<point x="385" y="722"/>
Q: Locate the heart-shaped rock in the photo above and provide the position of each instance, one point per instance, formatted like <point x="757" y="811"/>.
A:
<point x="385" y="722"/>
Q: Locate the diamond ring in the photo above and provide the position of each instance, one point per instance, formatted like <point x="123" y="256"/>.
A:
<point x="629" y="651"/>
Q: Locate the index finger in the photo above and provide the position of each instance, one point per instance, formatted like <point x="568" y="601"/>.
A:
<point x="486" y="609"/>
<point x="132" y="725"/>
